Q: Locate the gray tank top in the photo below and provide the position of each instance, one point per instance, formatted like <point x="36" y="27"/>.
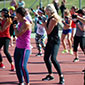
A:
<point x="79" y="32"/>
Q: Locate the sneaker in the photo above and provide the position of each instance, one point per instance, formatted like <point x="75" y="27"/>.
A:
<point x="48" y="78"/>
<point x="65" y="51"/>
<point x="12" y="67"/>
<point x="61" y="80"/>
<point x="39" y="54"/>
<point x="21" y="84"/>
<point x="71" y="52"/>
<point x="83" y="70"/>
<point x="76" y="60"/>
<point x="2" y="65"/>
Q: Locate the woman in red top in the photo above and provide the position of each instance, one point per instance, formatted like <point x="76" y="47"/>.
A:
<point x="5" y="36"/>
<point x="73" y="25"/>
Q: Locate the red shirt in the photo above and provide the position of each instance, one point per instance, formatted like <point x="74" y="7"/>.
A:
<point x="6" y="32"/>
<point x="73" y="25"/>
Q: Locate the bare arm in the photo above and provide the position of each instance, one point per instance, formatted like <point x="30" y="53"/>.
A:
<point x="51" y="25"/>
<point x="81" y="19"/>
<point x="6" y="25"/>
<point x="26" y="26"/>
<point x="69" y="23"/>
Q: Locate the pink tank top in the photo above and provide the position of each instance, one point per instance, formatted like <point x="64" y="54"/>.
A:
<point x="23" y="41"/>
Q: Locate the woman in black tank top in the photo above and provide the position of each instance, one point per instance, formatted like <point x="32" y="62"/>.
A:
<point x="53" y="43"/>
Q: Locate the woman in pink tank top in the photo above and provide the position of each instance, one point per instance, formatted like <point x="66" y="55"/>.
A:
<point x="22" y="50"/>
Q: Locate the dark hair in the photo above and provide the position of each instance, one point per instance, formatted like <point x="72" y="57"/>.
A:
<point x="5" y="10"/>
<point x="80" y="11"/>
<point x="21" y="11"/>
<point x="73" y="7"/>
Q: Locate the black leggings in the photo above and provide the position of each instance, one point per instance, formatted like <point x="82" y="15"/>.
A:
<point x="81" y="41"/>
<point x="51" y="52"/>
<point x="5" y="42"/>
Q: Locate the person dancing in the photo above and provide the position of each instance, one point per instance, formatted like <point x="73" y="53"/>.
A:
<point x="53" y="43"/>
<point x="79" y="38"/>
<point x="67" y="32"/>
<point x="22" y="50"/>
<point x="5" y="36"/>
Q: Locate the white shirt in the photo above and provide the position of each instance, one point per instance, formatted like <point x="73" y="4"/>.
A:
<point x="28" y="17"/>
<point x="56" y="1"/>
<point x="40" y="30"/>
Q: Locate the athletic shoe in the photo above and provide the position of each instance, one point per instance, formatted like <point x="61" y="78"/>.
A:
<point x="71" y="52"/>
<point x="83" y="70"/>
<point x="39" y="54"/>
<point x="2" y="65"/>
<point x="65" y="51"/>
<point x="61" y="80"/>
<point x="12" y="67"/>
<point x="21" y="84"/>
<point x="48" y="78"/>
<point x="76" y="60"/>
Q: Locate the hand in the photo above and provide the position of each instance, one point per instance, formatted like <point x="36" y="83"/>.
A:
<point x="15" y="18"/>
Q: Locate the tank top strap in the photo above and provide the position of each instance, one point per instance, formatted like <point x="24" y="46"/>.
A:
<point x="49" y="20"/>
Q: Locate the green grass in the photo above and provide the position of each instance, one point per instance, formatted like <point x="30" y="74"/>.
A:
<point x="45" y="2"/>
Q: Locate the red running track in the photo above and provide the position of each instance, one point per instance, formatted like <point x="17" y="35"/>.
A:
<point x="72" y="71"/>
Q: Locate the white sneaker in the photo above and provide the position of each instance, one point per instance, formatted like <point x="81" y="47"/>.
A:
<point x="21" y="84"/>
<point x="76" y="60"/>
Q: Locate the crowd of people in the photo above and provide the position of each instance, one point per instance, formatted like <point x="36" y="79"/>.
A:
<point x="16" y="24"/>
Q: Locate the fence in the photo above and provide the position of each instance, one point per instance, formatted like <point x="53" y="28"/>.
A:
<point x="34" y="3"/>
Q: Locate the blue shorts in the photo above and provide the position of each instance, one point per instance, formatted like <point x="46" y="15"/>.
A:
<point x="67" y="31"/>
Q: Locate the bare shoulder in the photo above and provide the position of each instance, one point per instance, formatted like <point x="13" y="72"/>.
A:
<point x="27" y="24"/>
<point x="53" y="20"/>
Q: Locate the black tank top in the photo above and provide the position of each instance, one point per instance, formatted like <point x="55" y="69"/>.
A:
<point x="53" y="36"/>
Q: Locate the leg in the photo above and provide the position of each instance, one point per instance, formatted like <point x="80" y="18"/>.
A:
<point x="38" y="42"/>
<point x="1" y="44"/>
<point x="53" y="58"/>
<point x="6" y="46"/>
<point x="43" y="42"/>
<point x="82" y="44"/>
<point x="73" y="34"/>
<point x="24" y="65"/>
<point x="48" y="63"/>
<point x="63" y="43"/>
<point x="76" y="43"/>
<point x="18" y="65"/>
<point x="70" y="43"/>
<point x="56" y="64"/>
<point x="0" y="57"/>
<point x="46" y="58"/>
<point x="69" y="40"/>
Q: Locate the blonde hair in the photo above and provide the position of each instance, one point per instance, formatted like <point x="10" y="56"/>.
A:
<point x="67" y="12"/>
<point x="53" y="12"/>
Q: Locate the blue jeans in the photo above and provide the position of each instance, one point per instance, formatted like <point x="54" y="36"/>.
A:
<point x="21" y="57"/>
